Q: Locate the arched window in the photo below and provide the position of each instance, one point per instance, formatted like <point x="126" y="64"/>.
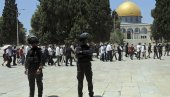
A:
<point x="137" y="30"/>
<point x="144" y="31"/>
<point x="130" y="30"/>
<point x="129" y="33"/>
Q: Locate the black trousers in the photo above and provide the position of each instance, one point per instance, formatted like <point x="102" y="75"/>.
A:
<point x="14" y="59"/>
<point x="67" y="58"/>
<point x="50" y="61"/>
<point x="126" y="53"/>
<point x="58" y="60"/>
<point x="114" y="55"/>
<point x="105" y="56"/>
<point x="102" y="57"/>
<point x="109" y="54"/>
<point x="160" y="54"/>
<point x="31" y="79"/>
<point x="155" y="54"/>
<point x="84" y="69"/>
<point x="138" y="55"/>
<point x="9" y="61"/>
<point x="120" y="56"/>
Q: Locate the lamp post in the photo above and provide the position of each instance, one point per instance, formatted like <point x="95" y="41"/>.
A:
<point x="17" y="14"/>
<point x="17" y="29"/>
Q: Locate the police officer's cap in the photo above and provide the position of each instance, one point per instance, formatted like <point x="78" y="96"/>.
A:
<point x="84" y="36"/>
<point x="33" y="40"/>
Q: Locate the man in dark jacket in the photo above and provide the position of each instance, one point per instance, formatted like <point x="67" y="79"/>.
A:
<point x="166" y="49"/>
<point x="9" y="56"/>
<point x="149" y="50"/>
<point x="119" y="50"/>
<point x="33" y="67"/>
<point x="126" y="50"/>
<point x="84" y="55"/>
<point x="68" y="55"/>
<point x="155" y="49"/>
<point x="160" y="51"/>
<point x="14" y="52"/>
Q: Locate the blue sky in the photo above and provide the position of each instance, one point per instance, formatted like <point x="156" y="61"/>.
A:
<point x="29" y="7"/>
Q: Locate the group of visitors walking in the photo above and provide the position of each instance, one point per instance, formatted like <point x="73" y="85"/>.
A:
<point x="14" y="55"/>
<point x="62" y="53"/>
<point x="141" y="51"/>
<point x="66" y="54"/>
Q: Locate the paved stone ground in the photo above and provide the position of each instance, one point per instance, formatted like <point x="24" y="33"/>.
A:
<point x="136" y="78"/>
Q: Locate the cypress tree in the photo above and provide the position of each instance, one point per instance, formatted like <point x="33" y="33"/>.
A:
<point x="161" y="15"/>
<point x="51" y="21"/>
<point x="9" y="27"/>
<point x="1" y="20"/>
<point x="100" y="20"/>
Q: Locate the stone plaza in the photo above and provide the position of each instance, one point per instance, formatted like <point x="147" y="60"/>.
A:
<point x="128" y="78"/>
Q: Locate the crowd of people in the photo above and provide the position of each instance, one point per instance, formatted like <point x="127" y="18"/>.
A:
<point x="13" y="54"/>
<point x="140" y="51"/>
<point x="65" y="54"/>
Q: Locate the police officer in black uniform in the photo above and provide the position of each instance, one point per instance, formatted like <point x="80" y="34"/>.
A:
<point x="33" y="66"/>
<point x="119" y="50"/>
<point x="84" y="55"/>
<point x="155" y="49"/>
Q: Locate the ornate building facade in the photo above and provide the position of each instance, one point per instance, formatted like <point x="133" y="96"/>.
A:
<point x="131" y="24"/>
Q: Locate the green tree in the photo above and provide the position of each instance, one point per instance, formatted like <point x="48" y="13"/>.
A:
<point x="22" y="33"/>
<point x="99" y="19"/>
<point x="161" y="15"/>
<point x="51" y="21"/>
<point x="35" y="23"/>
<point x="57" y="20"/>
<point x="9" y="25"/>
<point x="116" y="35"/>
<point x="1" y="21"/>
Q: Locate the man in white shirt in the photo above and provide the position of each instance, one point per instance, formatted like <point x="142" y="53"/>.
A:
<point x="57" y="55"/>
<point x="50" y="61"/>
<point x="138" y="50"/>
<point x="62" y="57"/>
<point x="27" y="48"/>
<point x="143" y="51"/>
<point x="109" y="52"/>
<point x="9" y="56"/>
<point x="102" y="52"/>
<point x="105" y="52"/>
<point x="119" y="50"/>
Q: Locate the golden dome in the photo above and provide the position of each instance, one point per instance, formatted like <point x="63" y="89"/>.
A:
<point x="128" y="8"/>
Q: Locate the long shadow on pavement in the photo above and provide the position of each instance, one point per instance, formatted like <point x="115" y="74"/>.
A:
<point x="53" y="96"/>
<point x="97" y="96"/>
<point x="13" y="67"/>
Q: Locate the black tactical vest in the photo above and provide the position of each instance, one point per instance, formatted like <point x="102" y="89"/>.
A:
<point x="84" y="57"/>
<point x="34" y="58"/>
